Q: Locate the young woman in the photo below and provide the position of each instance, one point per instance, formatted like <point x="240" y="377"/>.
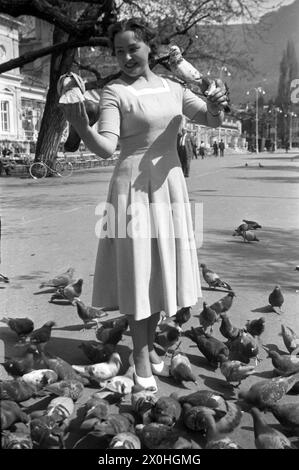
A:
<point x="148" y="262"/>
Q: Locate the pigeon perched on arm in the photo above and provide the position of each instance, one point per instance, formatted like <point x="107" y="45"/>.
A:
<point x="21" y="326"/>
<point x="212" y="279"/>
<point x="276" y="300"/>
<point x="88" y="313"/>
<point x="61" y="280"/>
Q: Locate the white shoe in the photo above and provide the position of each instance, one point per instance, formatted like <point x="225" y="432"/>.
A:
<point x="148" y="383"/>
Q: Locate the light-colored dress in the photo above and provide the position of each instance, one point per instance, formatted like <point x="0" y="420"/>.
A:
<point x="147" y="259"/>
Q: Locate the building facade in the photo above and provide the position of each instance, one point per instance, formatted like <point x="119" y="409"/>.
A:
<point x="21" y="101"/>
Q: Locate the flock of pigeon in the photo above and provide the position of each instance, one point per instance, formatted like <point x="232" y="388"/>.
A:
<point x="118" y="414"/>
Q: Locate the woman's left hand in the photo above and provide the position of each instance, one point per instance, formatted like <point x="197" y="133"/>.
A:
<point x="217" y="97"/>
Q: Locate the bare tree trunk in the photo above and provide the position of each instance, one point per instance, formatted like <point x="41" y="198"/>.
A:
<point x="53" y="121"/>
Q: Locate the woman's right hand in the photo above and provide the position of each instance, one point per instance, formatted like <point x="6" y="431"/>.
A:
<point x="77" y="116"/>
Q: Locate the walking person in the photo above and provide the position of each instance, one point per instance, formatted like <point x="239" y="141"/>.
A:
<point x="185" y="151"/>
<point x="152" y="271"/>
<point x="202" y="150"/>
<point x="215" y="149"/>
<point x="221" y="148"/>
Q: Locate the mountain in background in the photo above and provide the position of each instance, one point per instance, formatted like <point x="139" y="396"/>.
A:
<point x="265" y="49"/>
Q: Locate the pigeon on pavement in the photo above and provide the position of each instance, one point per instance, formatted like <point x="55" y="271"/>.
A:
<point x="266" y="437"/>
<point x="21" y="326"/>
<point x="212" y="279"/>
<point x="61" y="280"/>
<point x="276" y="300"/>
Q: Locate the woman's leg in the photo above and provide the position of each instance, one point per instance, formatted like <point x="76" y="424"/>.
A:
<point x="139" y="332"/>
<point x="152" y="326"/>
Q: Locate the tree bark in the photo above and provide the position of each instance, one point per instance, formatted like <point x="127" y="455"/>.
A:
<point x="53" y="121"/>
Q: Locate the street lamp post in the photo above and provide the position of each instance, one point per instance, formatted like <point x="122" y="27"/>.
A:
<point x="257" y="91"/>
<point x="291" y="114"/>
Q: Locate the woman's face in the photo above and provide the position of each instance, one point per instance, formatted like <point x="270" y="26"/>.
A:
<point x="131" y="53"/>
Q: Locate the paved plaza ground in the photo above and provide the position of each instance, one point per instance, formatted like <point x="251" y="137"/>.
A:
<point x="49" y="225"/>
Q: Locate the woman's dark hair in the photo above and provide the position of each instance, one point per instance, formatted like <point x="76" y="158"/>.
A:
<point x="141" y="30"/>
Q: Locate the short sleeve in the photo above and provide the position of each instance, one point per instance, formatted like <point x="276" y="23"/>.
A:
<point x="109" y="120"/>
<point x="192" y="104"/>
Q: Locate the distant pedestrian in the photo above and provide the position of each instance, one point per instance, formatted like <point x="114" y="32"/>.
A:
<point x="221" y="148"/>
<point x="194" y="145"/>
<point x="202" y="150"/>
<point x="287" y="146"/>
<point x="185" y="151"/>
<point x="215" y="149"/>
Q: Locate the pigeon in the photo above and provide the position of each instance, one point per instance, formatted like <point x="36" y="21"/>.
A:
<point x="101" y="371"/>
<point x="180" y="368"/>
<point x="120" y="322"/>
<point x="212" y="279"/>
<point x="202" y="418"/>
<point x="182" y="316"/>
<point x="276" y="300"/>
<point x="235" y="371"/>
<point x="287" y="414"/>
<point x="166" y="410"/>
<point x="113" y="424"/>
<point x="66" y="388"/>
<point x="252" y="224"/>
<point x="142" y="403"/>
<point x="18" y="367"/>
<point x="241" y="229"/>
<point x="4" y="279"/>
<point x="206" y="398"/>
<point x="125" y="440"/>
<point x="290" y="339"/>
<point x="70" y="292"/>
<point x="122" y="384"/>
<point x="243" y="348"/>
<point x="40" y="378"/>
<point x="249" y="236"/>
<point x="255" y="327"/>
<point x="17" y="390"/>
<point x="156" y="435"/>
<point x="42" y="335"/>
<point x="97" y="352"/>
<point x="267" y="392"/>
<point x="227" y="329"/>
<point x="110" y="335"/>
<point x="11" y="413"/>
<point x="19" y="439"/>
<point x="208" y="317"/>
<point x="224" y="304"/>
<point x="222" y="443"/>
<point x="88" y="313"/>
<point x="168" y="337"/>
<point x="284" y="364"/>
<point x="61" y="280"/>
<point x="209" y="346"/>
<point x="62" y="368"/>
<point x="21" y="326"/>
<point x="266" y="437"/>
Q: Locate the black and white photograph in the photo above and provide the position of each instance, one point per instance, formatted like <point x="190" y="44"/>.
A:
<point x="149" y="229"/>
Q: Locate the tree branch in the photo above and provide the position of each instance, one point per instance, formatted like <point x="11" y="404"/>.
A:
<point x="52" y="13"/>
<point x="60" y="47"/>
